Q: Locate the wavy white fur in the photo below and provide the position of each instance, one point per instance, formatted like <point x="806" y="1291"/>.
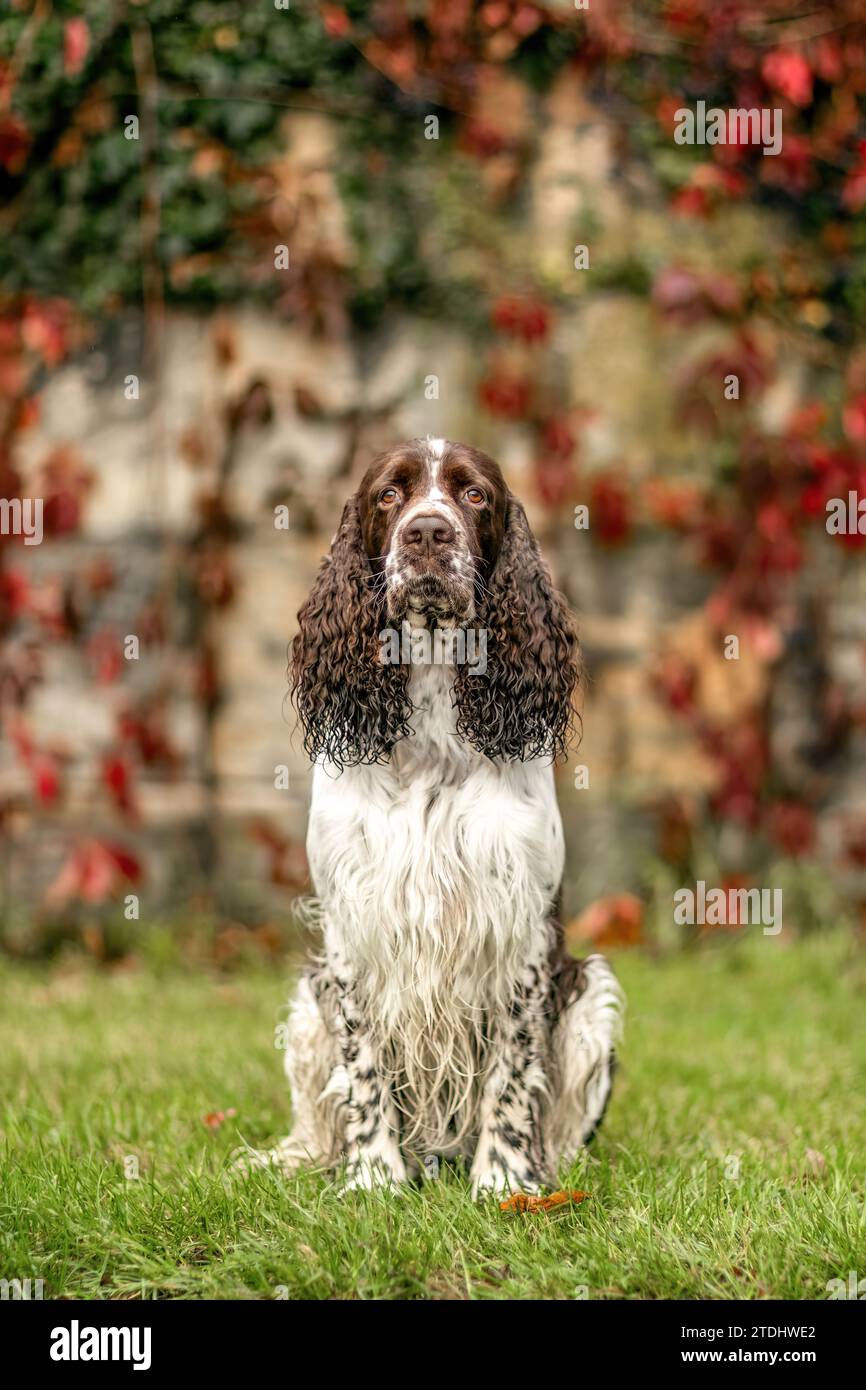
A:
<point x="436" y="874"/>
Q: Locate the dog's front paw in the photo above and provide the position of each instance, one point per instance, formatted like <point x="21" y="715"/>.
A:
<point x="494" y="1180"/>
<point x="285" y="1157"/>
<point x="369" y="1174"/>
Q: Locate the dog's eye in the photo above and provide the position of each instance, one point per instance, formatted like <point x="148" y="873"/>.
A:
<point x="388" y="496"/>
<point x="475" y="496"/>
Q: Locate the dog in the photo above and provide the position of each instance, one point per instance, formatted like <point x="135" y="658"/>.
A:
<point x="444" y="1015"/>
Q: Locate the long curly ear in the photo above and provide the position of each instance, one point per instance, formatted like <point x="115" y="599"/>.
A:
<point x="521" y="707"/>
<point x="353" y="708"/>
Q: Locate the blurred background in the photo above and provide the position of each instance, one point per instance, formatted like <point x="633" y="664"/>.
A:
<point x="245" y="246"/>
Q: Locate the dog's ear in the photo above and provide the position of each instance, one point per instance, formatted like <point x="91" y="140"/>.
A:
<point x="353" y="708"/>
<point x="521" y="707"/>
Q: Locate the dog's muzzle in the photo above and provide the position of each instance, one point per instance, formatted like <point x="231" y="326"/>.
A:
<point x="429" y="570"/>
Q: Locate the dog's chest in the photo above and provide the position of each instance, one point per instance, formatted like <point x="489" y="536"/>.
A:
<point x="440" y="862"/>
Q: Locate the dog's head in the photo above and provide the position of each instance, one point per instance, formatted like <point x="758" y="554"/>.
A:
<point x="434" y="536"/>
<point x="433" y="517"/>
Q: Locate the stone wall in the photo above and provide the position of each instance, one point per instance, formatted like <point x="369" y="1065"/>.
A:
<point x="334" y="403"/>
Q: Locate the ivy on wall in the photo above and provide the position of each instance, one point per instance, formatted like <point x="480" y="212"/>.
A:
<point x="140" y="163"/>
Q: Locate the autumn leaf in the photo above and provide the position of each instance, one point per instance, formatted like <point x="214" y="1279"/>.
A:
<point x="613" y="921"/>
<point x="788" y="72"/>
<point x="14" y="142"/>
<point x="287" y="860"/>
<point x="335" y="20"/>
<point x="505" y="394"/>
<point x="105" y="656"/>
<point x="791" y="825"/>
<point x="214" y="1119"/>
<point x="14" y="593"/>
<point x="46" y="779"/>
<point x="522" y="1201"/>
<point x="142" y="728"/>
<point x="95" y="870"/>
<point x="521" y="317"/>
<point x="76" y="45"/>
<point x="45" y="329"/>
<point x="117" y="778"/>
<point x="610" y="508"/>
<point x="63" y="478"/>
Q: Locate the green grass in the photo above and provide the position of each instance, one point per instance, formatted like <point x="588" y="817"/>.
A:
<point x="739" y="1060"/>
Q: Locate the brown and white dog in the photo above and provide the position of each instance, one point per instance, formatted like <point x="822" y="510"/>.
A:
<point x="444" y="1016"/>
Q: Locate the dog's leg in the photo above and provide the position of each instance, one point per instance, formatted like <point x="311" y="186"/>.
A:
<point x="509" y="1156"/>
<point x="310" y="1059"/>
<point x="584" y="1040"/>
<point x="369" y="1119"/>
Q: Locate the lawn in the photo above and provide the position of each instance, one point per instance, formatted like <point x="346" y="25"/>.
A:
<point x="732" y="1162"/>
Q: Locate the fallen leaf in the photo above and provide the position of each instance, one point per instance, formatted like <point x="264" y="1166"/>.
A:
<point x="215" y="1118"/>
<point x="523" y="1201"/>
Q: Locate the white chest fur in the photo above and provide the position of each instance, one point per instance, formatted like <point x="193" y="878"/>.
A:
<point x="435" y="871"/>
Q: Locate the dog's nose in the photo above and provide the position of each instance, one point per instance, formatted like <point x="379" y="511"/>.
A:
<point x="426" y="535"/>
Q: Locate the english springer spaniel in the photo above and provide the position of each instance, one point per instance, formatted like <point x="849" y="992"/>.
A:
<point x="444" y="1016"/>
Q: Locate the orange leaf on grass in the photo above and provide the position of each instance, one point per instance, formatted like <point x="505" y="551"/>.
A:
<point x="214" y="1119"/>
<point x="523" y="1201"/>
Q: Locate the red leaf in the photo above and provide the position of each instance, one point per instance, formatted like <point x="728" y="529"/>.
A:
<point x="76" y="44"/>
<point x="854" y="189"/>
<point x="557" y="438"/>
<point x="118" y="781"/>
<point x="788" y="72"/>
<point x="335" y="20"/>
<point x="481" y="139"/>
<point x="143" y="730"/>
<point x="609" y="509"/>
<point x="105" y="655"/>
<point x="94" y="871"/>
<point x="855" y="845"/>
<point x="854" y="420"/>
<point x="613" y="921"/>
<point x="14" y="594"/>
<point x="521" y="317"/>
<point x="673" y="504"/>
<point x="45" y="329"/>
<point x="791" y="825"/>
<point x="555" y="481"/>
<point x="504" y="394"/>
<point x="214" y="1119"/>
<point x="127" y="863"/>
<point x="287" y="858"/>
<point x="46" y="778"/>
<point x="675" y="681"/>
<point x="14" y="142"/>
